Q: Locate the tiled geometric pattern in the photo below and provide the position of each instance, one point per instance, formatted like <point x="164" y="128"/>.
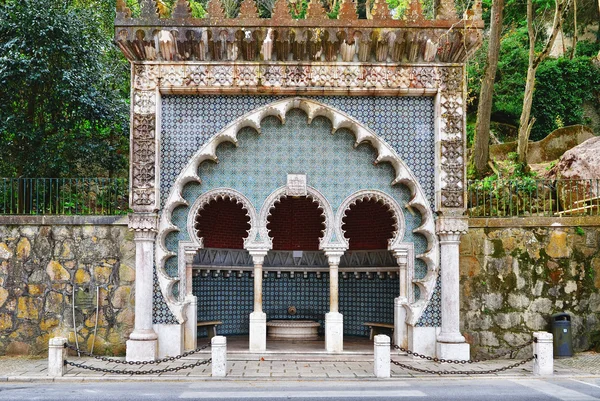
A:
<point x="405" y="123"/>
<point x="260" y="163"/>
<point x="432" y="315"/>
<point x="231" y="300"/>
<point x="160" y="311"/>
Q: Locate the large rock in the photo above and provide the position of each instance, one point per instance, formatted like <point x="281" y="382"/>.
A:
<point x="579" y="163"/>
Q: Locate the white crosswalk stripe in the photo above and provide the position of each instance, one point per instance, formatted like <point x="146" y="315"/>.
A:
<point x="555" y="390"/>
<point x="313" y="395"/>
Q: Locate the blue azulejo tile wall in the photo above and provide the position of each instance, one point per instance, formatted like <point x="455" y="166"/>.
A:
<point x="230" y="300"/>
<point x="333" y="166"/>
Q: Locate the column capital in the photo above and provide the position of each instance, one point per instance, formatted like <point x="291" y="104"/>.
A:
<point x="401" y="256"/>
<point x="144" y="225"/>
<point x="334" y="255"/>
<point x="450" y="228"/>
<point x="258" y="255"/>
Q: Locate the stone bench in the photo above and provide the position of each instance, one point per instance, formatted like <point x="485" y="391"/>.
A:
<point x="211" y="327"/>
<point x="375" y="328"/>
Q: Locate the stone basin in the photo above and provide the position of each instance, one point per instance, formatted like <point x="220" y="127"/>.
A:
<point x="293" y="329"/>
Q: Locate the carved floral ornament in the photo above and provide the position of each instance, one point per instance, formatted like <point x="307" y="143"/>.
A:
<point x="333" y="239"/>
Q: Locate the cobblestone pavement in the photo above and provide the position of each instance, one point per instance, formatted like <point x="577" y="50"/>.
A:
<point x="14" y="369"/>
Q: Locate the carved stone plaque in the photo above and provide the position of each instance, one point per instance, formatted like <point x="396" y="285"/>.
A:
<point x="296" y="185"/>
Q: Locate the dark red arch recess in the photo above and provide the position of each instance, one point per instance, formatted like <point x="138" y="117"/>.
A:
<point x="223" y="223"/>
<point x="296" y="224"/>
<point x="368" y="225"/>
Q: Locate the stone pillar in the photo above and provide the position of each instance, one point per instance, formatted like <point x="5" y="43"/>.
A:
<point x="543" y="350"/>
<point x="219" y="356"/>
<point x="57" y="353"/>
<point x="450" y="343"/>
<point x="334" y="321"/>
<point x="401" y="303"/>
<point x="258" y="319"/>
<point x="381" y="356"/>
<point x="142" y="343"/>
<point x="190" y="335"/>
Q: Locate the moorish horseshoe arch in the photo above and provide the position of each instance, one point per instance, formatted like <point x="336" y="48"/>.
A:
<point x="385" y="199"/>
<point x="216" y="194"/>
<point x="275" y="196"/>
<point x="313" y="109"/>
<point x="426" y="285"/>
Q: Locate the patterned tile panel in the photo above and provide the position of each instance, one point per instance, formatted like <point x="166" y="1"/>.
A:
<point x="406" y="123"/>
<point x="231" y="300"/>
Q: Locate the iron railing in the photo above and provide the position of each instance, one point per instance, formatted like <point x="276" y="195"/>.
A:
<point x="533" y="197"/>
<point x="65" y="196"/>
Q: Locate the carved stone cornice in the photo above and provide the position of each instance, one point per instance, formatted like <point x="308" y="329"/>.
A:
<point x="316" y="38"/>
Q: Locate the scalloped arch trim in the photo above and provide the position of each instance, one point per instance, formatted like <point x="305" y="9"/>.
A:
<point x="333" y="237"/>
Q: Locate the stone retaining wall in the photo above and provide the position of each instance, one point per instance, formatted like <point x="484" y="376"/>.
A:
<point x="515" y="273"/>
<point x="42" y="259"/>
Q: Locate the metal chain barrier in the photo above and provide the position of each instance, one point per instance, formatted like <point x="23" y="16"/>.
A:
<point x="138" y="372"/>
<point x="463" y="361"/>
<point x="464" y="372"/>
<point x="112" y="360"/>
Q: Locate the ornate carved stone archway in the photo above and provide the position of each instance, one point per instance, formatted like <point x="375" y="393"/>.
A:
<point x="333" y="237"/>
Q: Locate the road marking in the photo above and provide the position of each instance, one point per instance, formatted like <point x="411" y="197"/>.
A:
<point x="300" y="385"/>
<point x="304" y="394"/>
<point x="582" y="382"/>
<point x="555" y="390"/>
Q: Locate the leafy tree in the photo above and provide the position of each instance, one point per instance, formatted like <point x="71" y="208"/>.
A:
<point x="64" y="97"/>
<point x="535" y="59"/>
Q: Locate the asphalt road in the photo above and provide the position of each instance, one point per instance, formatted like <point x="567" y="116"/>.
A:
<point x="414" y="389"/>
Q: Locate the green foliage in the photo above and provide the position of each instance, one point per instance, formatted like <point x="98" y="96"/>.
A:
<point x="587" y="48"/>
<point x="579" y="231"/>
<point x="563" y="85"/>
<point x="298" y="8"/>
<point x="64" y="109"/>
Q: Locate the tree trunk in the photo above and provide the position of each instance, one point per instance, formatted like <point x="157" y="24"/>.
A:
<point x="524" y="123"/>
<point x="574" y="47"/>
<point x="481" y="146"/>
<point x="534" y="61"/>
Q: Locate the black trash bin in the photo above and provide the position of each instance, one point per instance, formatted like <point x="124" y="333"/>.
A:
<point x="563" y="337"/>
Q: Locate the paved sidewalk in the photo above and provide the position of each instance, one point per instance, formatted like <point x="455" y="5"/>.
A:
<point x="26" y="369"/>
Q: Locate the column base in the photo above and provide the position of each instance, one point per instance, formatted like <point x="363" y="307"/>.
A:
<point x="460" y="351"/>
<point x="258" y="331"/>
<point x="334" y="332"/>
<point x="141" y="350"/>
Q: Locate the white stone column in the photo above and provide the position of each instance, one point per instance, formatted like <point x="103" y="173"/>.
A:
<point x="450" y="343"/>
<point x="57" y="353"/>
<point x="334" y="321"/>
<point x="219" y="356"/>
<point x="543" y="350"/>
<point x="381" y="356"/>
<point x="190" y="335"/>
<point x="258" y="319"/>
<point x="401" y="302"/>
<point x="142" y="344"/>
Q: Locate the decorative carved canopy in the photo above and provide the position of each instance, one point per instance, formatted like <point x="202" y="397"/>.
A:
<point x="445" y="39"/>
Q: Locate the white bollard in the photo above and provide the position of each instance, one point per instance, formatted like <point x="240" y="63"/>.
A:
<point x="543" y="350"/>
<point x="57" y="353"/>
<point x="381" y="354"/>
<point x="219" y="356"/>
